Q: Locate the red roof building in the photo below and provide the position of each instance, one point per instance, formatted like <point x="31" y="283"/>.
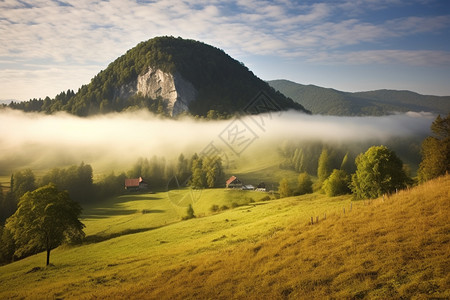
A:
<point x="135" y="184"/>
<point x="233" y="182"/>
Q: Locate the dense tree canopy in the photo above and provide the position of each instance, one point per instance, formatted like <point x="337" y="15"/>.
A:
<point x="436" y="150"/>
<point x="207" y="172"/>
<point x="22" y="182"/>
<point x="379" y="171"/>
<point x="44" y="219"/>
<point x="77" y="180"/>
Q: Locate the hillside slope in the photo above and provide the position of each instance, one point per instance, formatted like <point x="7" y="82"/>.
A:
<point x="394" y="249"/>
<point x="327" y="101"/>
<point x="168" y="76"/>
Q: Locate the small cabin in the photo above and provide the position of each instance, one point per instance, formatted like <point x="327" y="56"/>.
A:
<point x="135" y="184"/>
<point x="233" y="183"/>
<point x="261" y="187"/>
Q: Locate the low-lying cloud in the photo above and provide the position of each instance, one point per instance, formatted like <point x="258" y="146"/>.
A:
<point x="114" y="141"/>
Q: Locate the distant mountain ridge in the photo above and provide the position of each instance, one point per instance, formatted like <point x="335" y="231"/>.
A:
<point x="328" y="101"/>
<point x="168" y="76"/>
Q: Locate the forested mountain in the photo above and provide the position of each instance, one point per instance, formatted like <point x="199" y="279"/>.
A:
<point x="327" y="101"/>
<point x="168" y="76"/>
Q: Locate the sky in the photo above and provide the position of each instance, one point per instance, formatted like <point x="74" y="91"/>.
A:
<point x="351" y="45"/>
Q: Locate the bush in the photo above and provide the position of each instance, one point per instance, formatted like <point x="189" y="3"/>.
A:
<point x="337" y="184"/>
<point x="378" y="171"/>
<point x="304" y="184"/>
<point x="190" y="213"/>
<point x="265" y="198"/>
<point x="214" y="208"/>
<point x="284" y="189"/>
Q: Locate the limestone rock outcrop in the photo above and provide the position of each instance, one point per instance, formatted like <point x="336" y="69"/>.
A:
<point x="175" y="91"/>
<point x="172" y="88"/>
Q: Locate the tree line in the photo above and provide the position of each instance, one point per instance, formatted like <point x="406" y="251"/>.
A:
<point x="377" y="171"/>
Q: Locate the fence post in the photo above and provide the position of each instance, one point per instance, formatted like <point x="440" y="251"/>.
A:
<point x="312" y="220"/>
<point x="317" y="219"/>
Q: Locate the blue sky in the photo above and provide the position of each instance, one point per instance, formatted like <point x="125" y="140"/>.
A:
<point x="352" y="45"/>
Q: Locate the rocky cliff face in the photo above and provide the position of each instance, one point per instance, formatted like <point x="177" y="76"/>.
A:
<point x="172" y="88"/>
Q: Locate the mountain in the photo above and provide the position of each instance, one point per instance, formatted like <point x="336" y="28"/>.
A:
<point x="328" y="101"/>
<point x="168" y="76"/>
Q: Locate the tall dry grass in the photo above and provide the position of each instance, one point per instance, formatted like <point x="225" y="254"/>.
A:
<point x="393" y="249"/>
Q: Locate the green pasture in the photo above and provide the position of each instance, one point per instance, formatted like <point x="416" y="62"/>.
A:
<point x="159" y="242"/>
<point x="138" y="212"/>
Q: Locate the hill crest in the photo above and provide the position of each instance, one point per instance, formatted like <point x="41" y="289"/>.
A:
<point x="168" y="76"/>
<point x="327" y="101"/>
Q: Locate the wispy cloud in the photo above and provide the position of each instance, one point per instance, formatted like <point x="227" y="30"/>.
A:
<point x="400" y="57"/>
<point x="71" y="34"/>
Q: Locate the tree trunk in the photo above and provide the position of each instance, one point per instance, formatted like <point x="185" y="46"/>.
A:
<point x="48" y="256"/>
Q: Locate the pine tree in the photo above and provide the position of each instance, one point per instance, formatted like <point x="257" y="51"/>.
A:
<point x="436" y="150"/>
<point x="323" y="169"/>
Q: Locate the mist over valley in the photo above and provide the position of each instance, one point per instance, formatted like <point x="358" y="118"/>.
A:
<point x="115" y="141"/>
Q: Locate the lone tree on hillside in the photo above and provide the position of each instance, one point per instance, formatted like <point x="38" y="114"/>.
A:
<point x="436" y="150"/>
<point x="44" y="219"/>
<point x="378" y="171"/>
<point x="190" y="213"/>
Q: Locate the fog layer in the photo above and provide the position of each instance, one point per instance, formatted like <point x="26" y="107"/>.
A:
<point x="114" y="141"/>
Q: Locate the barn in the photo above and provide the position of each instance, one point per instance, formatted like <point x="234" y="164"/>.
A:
<point x="233" y="183"/>
<point x="135" y="184"/>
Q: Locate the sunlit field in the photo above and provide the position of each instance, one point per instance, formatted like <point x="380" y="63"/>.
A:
<point x="394" y="248"/>
<point x="130" y="258"/>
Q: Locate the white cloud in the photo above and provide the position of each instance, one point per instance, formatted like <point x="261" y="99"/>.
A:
<point x="401" y="57"/>
<point x="96" y="32"/>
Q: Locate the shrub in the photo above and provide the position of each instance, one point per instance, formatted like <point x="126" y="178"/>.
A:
<point x="284" y="189"/>
<point x="214" y="208"/>
<point x="265" y="198"/>
<point x="304" y="185"/>
<point x="337" y="184"/>
<point x="378" y="171"/>
<point x="190" y="213"/>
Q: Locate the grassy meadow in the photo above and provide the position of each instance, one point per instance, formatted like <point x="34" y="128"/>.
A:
<point x="396" y="248"/>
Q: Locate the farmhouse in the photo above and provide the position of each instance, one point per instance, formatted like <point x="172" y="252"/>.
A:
<point x="135" y="184"/>
<point x="261" y="187"/>
<point x="233" y="183"/>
